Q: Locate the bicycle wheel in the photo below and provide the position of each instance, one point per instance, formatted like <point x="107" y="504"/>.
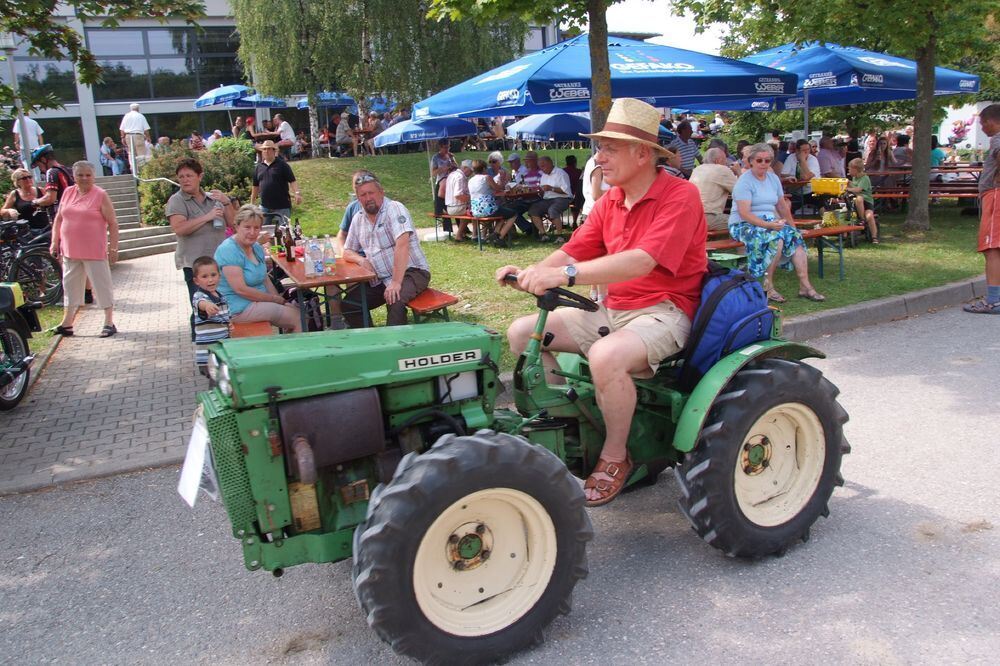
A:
<point x="40" y="276"/>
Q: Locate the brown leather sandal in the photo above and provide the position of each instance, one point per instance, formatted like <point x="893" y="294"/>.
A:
<point x="609" y="489"/>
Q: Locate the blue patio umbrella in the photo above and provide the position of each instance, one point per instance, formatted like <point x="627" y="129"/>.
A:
<point x="834" y="75"/>
<point x="550" y="127"/>
<point x="221" y="95"/>
<point x="325" y="98"/>
<point x="412" y="131"/>
<point x="257" y="101"/>
<point x="557" y="80"/>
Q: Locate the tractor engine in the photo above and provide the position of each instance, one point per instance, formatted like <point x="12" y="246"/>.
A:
<point x="303" y="428"/>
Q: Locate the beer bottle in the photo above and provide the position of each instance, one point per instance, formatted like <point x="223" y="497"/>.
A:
<point x="298" y="230"/>
<point x="289" y="246"/>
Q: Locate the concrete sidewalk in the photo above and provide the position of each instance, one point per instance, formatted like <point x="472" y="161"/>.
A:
<point x="119" y="404"/>
<point x="107" y="405"/>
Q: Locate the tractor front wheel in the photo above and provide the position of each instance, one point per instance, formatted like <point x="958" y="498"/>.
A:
<point x="766" y="461"/>
<point x="472" y="549"/>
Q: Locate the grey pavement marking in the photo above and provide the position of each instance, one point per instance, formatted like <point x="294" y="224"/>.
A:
<point x="102" y="405"/>
<point x="906" y="569"/>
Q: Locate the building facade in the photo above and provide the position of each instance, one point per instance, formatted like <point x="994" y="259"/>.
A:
<point x="163" y="67"/>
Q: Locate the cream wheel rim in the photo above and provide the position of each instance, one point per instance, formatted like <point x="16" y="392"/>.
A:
<point x="484" y="562"/>
<point x="779" y="464"/>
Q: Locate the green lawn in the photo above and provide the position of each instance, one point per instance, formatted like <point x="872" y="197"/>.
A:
<point x="905" y="261"/>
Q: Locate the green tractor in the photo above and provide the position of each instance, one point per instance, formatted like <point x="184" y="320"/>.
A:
<point x="466" y="522"/>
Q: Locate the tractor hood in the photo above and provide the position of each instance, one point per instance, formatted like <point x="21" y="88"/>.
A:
<point x="307" y="364"/>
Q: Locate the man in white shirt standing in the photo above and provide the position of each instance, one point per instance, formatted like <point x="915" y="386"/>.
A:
<point x="456" y="195"/>
<point x="286" y="135"/>
<point x="33" y="132"/>
<point x="134" y="130"/>
<point x="557" y="195"/>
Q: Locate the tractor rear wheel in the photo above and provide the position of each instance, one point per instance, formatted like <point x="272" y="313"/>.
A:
<point x="766" y="461"/>
<point x="472" y="549"/>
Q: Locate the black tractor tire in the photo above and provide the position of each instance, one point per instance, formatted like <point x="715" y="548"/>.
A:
<point x="468" y="492"/>
<point x="13" y="348"/>
<point x="767" y="460"/>
<point x="40" y="276"/>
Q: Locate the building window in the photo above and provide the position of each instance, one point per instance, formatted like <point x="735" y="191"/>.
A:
<point x="164" y="63"/>
<point x="37" y="77"/>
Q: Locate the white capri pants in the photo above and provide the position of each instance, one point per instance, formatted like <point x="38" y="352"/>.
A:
<point x="75" y="274"/>
<point x="283" y="316"/>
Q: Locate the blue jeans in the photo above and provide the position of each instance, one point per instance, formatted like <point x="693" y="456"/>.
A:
<point x="271" y="213"/>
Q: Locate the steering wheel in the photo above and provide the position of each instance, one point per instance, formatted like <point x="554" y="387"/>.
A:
<point x="558" y="297"/>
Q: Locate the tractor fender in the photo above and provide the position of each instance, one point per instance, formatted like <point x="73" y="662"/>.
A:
<point x="699" y="403"/>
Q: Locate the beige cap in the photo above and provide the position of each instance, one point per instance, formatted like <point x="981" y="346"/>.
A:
<point x="268" y="144"/>
<point x="632" y="120"/>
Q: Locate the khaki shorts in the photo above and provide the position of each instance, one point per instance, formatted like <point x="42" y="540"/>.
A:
<point x="663" y="327"/>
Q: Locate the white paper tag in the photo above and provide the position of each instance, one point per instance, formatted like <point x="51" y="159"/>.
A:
<point x="194" y="463"/>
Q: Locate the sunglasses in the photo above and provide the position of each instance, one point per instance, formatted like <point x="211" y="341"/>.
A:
<point x="763" y="160"/>
<point x="24" y="178"/>
<point x="365" y="178"/>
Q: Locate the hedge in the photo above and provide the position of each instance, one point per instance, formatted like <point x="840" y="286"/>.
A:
<point x="228" y="165"/>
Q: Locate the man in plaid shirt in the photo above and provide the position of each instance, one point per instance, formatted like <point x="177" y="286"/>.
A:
<point x="384" y="229"/>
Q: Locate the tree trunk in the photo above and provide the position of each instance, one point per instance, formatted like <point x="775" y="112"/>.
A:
<point x="919" y="209"/>
<point x="313" y="124"/>
<point x="366" y="64"/>
<point x="600" y="71"/>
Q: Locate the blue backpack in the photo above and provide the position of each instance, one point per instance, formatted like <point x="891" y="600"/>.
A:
<point x="733" y="314"/>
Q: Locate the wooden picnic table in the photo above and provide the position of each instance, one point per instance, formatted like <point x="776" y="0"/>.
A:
<point x="347" y="275"/>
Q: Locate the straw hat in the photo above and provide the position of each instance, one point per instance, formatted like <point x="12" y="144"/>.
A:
<point x="632" y="120"/>
<point x="268" y="144"/>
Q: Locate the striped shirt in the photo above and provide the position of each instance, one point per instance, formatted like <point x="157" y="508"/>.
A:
<point x="688" y="150"/>
<point x="208" y="329"/>
<point x="378" y="239"/>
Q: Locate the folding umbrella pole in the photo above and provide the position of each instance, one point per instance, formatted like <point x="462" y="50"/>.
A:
<point x="806" y="111"/>
<point x="430" y="175"/>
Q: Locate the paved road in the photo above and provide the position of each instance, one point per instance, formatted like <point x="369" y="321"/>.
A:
<point x="905" y="570"/>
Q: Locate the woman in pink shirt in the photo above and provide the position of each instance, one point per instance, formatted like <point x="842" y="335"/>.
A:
<point x="85" y="235"/>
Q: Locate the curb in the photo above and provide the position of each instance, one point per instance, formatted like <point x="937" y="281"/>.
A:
<point x="882" y="310"/>
<point x="41" y="363"/>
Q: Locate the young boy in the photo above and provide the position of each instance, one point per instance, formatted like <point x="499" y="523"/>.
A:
<point x="989" y="227"/>
<point x="211" y="311"/>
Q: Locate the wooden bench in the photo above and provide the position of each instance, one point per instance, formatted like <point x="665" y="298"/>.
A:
<point x="481" y="222"/>
<point x="823" y="237"/>
<point x="251" y="329"/>
<point x="431" y="304"/>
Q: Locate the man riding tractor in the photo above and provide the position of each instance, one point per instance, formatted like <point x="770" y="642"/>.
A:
<point x="646" y="240"/>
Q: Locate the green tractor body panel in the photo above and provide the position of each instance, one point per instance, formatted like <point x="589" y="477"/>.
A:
<point x="700" y="401"/>
<point x="311" y="364"/>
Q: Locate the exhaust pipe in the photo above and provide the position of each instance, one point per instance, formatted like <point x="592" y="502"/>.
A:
<point x="15" y="371"/>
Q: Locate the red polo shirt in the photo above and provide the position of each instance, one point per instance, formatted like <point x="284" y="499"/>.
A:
<point x="668" y="223"/>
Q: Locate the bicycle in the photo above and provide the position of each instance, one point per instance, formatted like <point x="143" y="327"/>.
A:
<point x="25" y="259"/>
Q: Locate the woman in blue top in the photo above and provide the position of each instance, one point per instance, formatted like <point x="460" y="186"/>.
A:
<point x="244" y="283"/>
<point x="762" y="220"/>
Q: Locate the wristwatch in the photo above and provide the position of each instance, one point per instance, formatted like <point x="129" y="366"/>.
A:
<point x="570" y="272"/>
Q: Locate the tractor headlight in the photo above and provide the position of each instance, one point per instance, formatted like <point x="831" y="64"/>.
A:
<point x="224" y="373"/>
<point x="213" y="367"/>
<point x="225" y="387"/>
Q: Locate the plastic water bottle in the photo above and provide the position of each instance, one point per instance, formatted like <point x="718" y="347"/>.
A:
<point x="329" y="256"/>
<point x="313" y="257"/>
